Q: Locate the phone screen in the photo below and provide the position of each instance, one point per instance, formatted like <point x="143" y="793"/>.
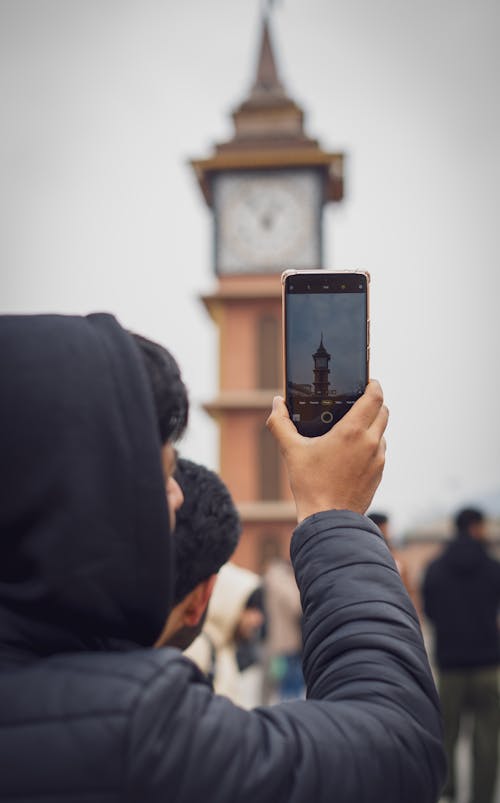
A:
<point x="326" y="346"/>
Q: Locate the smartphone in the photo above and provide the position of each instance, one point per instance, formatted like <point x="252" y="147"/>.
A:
<point x="326" y="342"/>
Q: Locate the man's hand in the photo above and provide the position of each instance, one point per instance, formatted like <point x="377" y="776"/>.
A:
<point x="341" y="469"/>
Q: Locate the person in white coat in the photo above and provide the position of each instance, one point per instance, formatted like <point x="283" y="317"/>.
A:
<point x="229" y="621"/>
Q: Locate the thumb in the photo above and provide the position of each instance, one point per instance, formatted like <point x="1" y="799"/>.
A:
<point x="280" y="425"/>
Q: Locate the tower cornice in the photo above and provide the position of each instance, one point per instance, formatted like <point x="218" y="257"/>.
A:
<point x="241" y="401"/>
<point x="272" y="156"/>
<point x="264" y="512"/>
<point x="269" y="132"/>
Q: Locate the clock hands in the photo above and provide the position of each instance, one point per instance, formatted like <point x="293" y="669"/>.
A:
<point x="266" y="219"/>
<point x="267" y="213"/>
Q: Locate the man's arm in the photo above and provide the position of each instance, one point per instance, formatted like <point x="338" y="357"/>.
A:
<point x="370" y="729"/>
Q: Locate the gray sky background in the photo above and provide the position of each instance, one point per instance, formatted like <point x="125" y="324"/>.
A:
<point x="104" y="101"/>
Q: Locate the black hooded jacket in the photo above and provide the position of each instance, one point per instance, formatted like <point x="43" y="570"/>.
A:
<point x="461" y="593"/>
<point x="89" y="713"/>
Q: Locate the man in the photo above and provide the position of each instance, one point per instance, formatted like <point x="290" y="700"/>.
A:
<point x="87" y="710"/>
<point x="203" y="518"/>
<point x="207" y="531"/>
<point x="461" y="593"/>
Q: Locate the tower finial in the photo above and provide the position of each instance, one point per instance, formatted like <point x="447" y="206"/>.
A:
<point x="267" y="72"/>
<point x="267" y="7"/>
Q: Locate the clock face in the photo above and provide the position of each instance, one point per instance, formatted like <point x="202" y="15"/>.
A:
<point x="267" y="221"/>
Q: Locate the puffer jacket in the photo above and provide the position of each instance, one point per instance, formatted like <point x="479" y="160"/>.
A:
<point x="461" y="592"/>
<point x="88" y="713"/>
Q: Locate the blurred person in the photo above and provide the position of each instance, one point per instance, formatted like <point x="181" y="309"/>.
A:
<point x="249" y="645"/>
<point x="231" y="619"/>
<point x="283" y="626"/>
<point x="383" y="523"/>
<point x="88" y="710"/>
<point x="461" y="594"/>
<point x="207" y="531"/>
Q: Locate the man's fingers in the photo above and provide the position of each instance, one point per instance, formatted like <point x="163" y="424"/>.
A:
<point x="280" y="425"/>
<point x="368" y="412"/>
<point x="379" y="425"/>
<point x="366" y="409"/>
<point x="340" y="469"/>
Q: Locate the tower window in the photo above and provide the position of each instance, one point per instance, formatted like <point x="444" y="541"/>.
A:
<point x="269" y="466"/>
<point x="269" y="550"/>
<point x="269" y="353"/>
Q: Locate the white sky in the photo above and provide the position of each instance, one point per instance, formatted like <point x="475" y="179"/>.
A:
<point x="102" y="104"/>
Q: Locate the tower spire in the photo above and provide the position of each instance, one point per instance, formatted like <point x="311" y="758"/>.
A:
<point x="266" y="79"/>
<point x="269" y="127"/>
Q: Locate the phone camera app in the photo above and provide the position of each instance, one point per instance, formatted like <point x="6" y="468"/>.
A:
<point x="326" y="356"/>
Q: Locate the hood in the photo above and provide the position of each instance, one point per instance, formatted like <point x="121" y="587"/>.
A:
<point x="85" y="547"/>
<point x="233" y="587"/>
<point x="465" y="555"/>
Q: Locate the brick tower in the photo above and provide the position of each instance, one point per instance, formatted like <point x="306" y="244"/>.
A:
<point x="266" y="187"/>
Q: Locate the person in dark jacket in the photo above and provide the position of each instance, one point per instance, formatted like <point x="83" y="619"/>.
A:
<point x="461" y="593"/>
<point x="89" y="711"/>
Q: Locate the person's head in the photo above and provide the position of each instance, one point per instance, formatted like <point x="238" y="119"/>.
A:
<point x="206" y="535"/>
<point x="235" y="610"/>
<point x="470" y="521"/>
<point x="171" y="406"/>
<point x="87" y="558"/>
<point x="251" y="617"/>
<point x="382" y="522"/>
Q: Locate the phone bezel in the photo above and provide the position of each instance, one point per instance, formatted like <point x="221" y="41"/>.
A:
<point x="321" y="273"/>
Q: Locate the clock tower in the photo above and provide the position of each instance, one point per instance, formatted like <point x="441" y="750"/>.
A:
<point x="321" y="370"/>
<point x="266" y="187"/>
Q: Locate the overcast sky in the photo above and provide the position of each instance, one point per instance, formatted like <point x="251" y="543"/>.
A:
<point x="104" y="101"/>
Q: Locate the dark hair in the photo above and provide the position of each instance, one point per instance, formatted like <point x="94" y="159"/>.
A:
<point x="207" y="527"/>
<point x="378" y="518"/>
<point x="169" y="392"/>
<point x="467" y="516"/>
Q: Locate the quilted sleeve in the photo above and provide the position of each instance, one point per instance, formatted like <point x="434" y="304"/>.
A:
<point x="370" y="729"/>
